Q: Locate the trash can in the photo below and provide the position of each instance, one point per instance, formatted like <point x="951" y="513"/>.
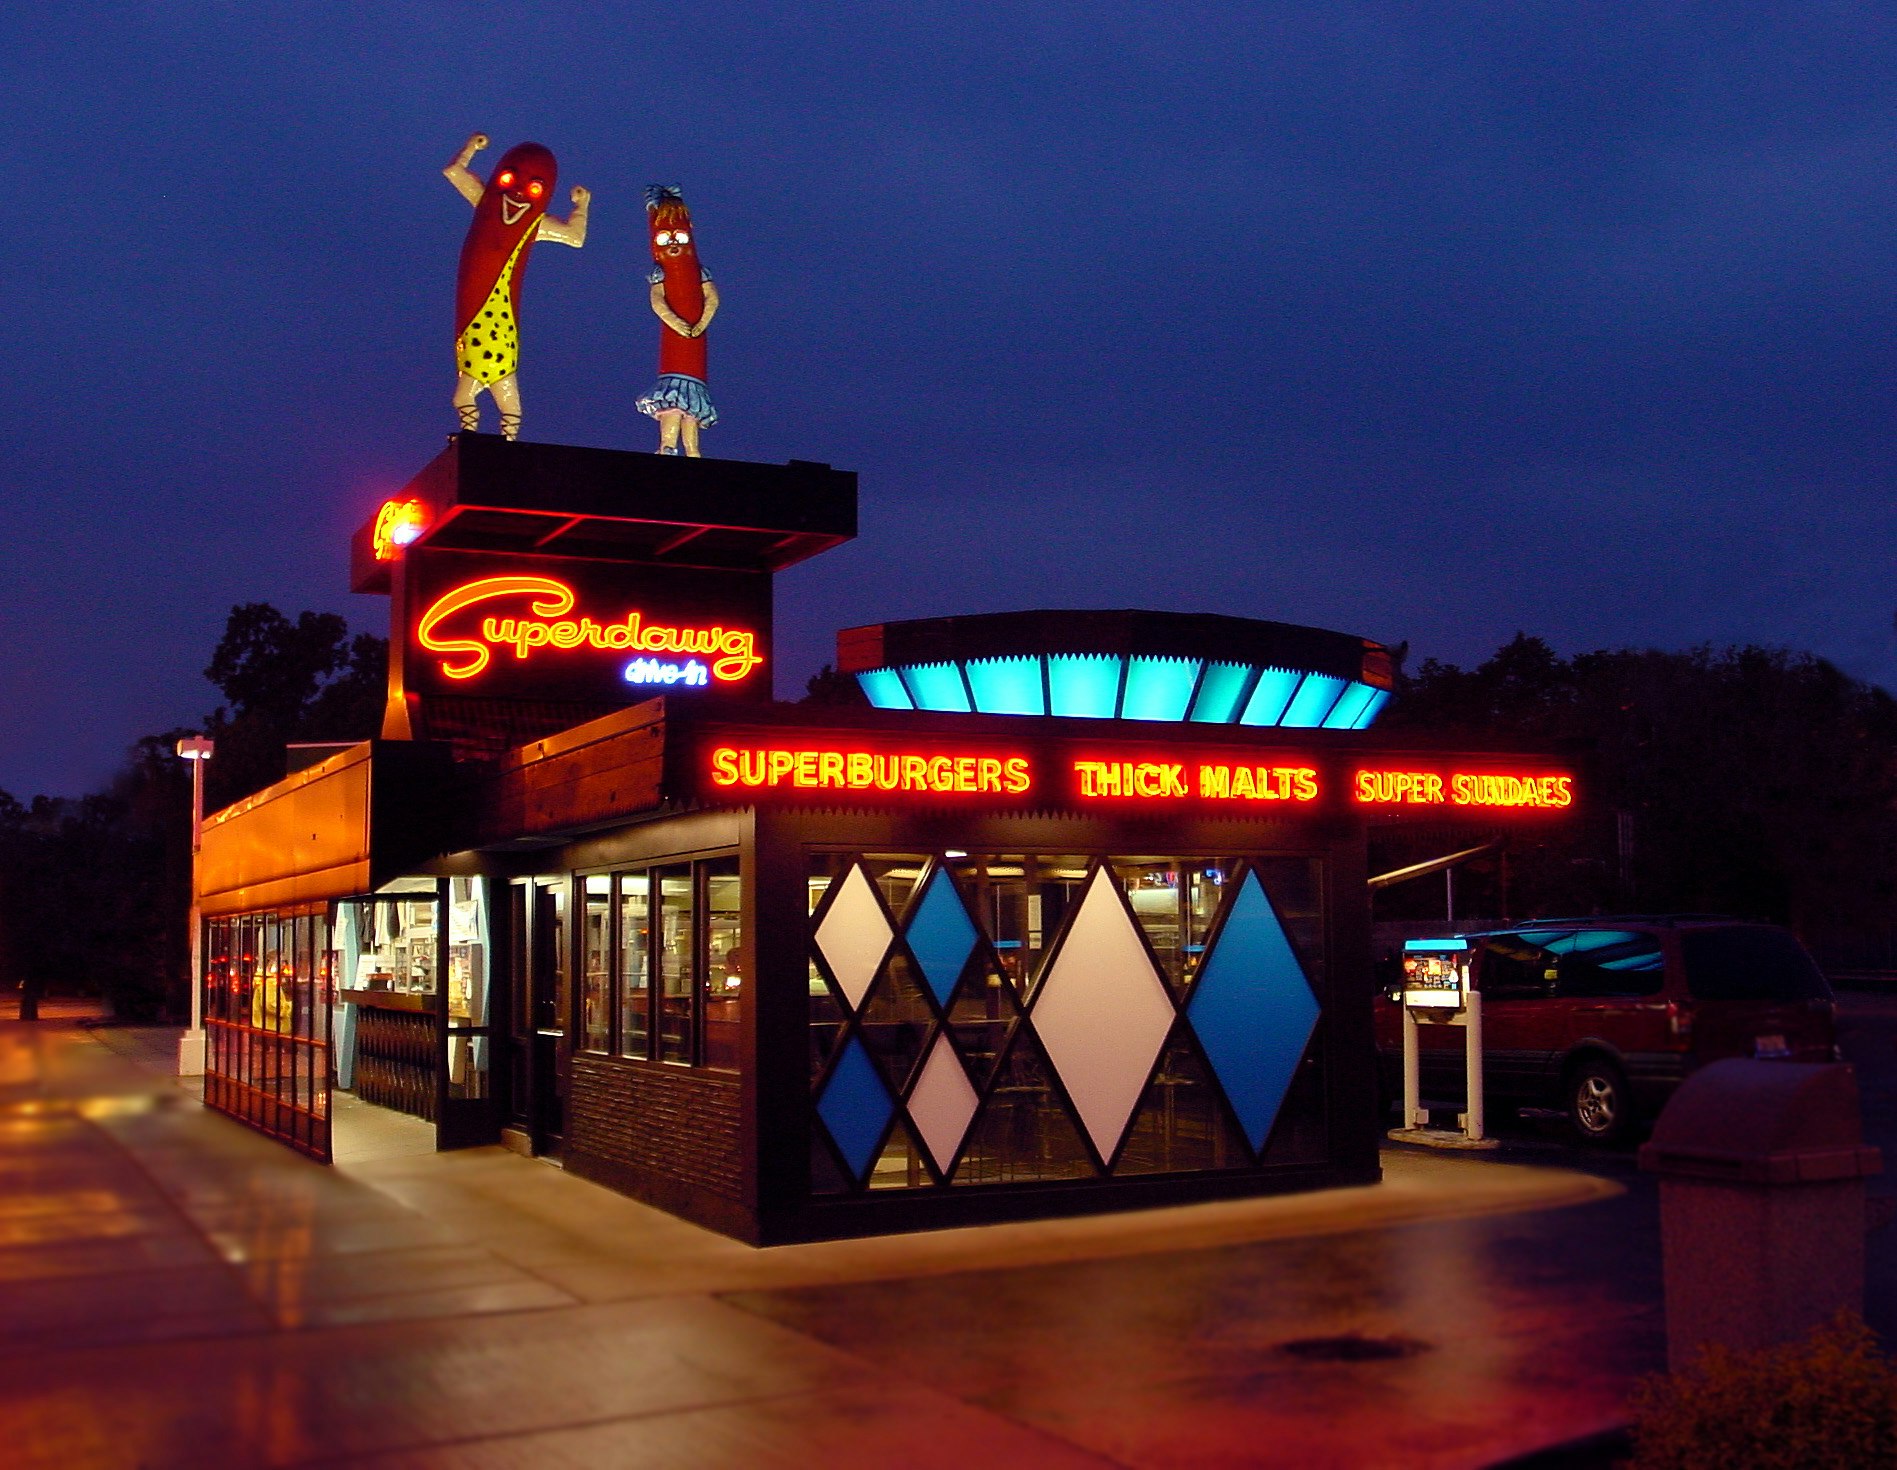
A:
<point x="1762" y="1168"/>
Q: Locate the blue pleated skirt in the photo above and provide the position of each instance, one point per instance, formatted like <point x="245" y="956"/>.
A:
<point x="675" y="392"/>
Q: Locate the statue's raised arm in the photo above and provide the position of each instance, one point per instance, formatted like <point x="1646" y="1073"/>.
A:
<point x="572" y="229"/>
<point x="457" y="172"/>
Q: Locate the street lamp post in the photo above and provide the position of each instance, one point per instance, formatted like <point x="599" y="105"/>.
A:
<point x="196" y="749"/>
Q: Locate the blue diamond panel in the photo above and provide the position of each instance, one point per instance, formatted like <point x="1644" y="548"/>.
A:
<point x="940" y="935"/>
<point x="855" y="1107"/>
<point x="1253" y="1010"/>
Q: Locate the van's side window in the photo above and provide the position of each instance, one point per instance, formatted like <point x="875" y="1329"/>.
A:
<point x="1604" y="964"/>
<point x="1515" y="968"/>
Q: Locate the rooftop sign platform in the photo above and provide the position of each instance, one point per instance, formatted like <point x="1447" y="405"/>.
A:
<point x="536" y="586"/>
<point x="485" y="494"/>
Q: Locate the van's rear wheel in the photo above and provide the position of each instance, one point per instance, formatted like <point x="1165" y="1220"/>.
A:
<point x="1599" y="1105"/>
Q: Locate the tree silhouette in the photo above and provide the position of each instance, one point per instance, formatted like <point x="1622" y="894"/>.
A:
<point x="1759" y="781"/>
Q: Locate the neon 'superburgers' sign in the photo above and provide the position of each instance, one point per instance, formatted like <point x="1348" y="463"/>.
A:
<point x="522" y="617"/>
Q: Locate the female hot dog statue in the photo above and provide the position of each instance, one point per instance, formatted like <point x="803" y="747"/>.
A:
<point x="684" y="300"/>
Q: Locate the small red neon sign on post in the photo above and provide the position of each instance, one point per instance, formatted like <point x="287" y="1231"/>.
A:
<point x="397" y="523"/>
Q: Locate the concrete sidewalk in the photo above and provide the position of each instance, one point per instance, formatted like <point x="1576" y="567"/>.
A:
<point x="178" y="1289"/>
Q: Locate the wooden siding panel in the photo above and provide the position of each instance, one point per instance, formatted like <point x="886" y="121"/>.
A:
<point x="305" y="838"/>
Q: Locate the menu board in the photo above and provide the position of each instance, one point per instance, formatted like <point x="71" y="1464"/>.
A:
<point x="1436" y="979"/>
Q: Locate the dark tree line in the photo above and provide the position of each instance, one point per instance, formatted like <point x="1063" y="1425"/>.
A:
<point x="1749" y="781"/>
<point x="94" y="890"/>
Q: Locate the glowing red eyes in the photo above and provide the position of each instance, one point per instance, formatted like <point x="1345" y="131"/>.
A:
<point x="506" y="178"/>
<point x="536" y="188"/>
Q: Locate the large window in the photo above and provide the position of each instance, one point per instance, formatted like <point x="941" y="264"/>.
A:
<point x="677" y="945"/>
<point x="995" y="1018"/>
<point x="470" y="1027"/>
<point x="387" y="945"/>
<point x="596" y="965"/>
<point x="635" y="965"/>
<point x="388" y="953"/>
<point x="663" y="951"/>
<point x="267" y="1007"/>
<point x="721" y="983"/>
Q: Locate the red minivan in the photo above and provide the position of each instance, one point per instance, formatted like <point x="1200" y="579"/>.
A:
<point x="1603" y="1017"/>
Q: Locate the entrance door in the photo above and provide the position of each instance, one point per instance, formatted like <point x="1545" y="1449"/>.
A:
<point x="549" y="997"/>
<point x="469" y="1102"/>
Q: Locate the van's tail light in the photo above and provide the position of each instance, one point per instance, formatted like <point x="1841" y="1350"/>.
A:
<point x="1679" y="1021"/>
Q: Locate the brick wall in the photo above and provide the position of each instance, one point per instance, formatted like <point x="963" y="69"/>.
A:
<point x="682" y="1125"/>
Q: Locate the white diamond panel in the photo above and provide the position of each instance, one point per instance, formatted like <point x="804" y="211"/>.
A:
<point x="1103" y="1013"/>
<point x="854" y="936"/>
<point x="942" y="1103"/>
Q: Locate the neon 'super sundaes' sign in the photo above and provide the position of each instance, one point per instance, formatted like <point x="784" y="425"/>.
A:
<point x="1462" y="788"/>
<point x="525" y="616"/>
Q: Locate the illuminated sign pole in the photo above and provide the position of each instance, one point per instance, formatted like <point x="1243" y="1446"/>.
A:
<point x="197" y="750"/>
<point x="1437" y="991"/>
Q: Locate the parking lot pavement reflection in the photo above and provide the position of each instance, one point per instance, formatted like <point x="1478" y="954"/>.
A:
<point x="178" y="1289"/>
<point x="1427" y="1344"/>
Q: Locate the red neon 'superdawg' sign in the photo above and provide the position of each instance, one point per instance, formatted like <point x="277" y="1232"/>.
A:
<point x="541" y="621"/>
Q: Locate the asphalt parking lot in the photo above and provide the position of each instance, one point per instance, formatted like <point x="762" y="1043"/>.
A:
<point x="179" y="1288"/>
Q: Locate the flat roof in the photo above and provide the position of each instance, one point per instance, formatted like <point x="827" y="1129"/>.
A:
<point x="487" y="494"/>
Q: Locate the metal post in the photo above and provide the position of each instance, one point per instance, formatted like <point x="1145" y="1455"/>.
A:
<point x="1472" y="1066"/>
<point x="1413" y="1114"/>
<point x="1449" y="893"/>
<point x="191" y="1044"/>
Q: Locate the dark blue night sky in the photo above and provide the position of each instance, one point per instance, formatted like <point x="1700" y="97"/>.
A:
<point x="1423" y="322"/>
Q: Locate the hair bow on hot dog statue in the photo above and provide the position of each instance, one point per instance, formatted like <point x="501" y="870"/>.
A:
<point x="510" y="213"/>
<point x="684" y="300"/>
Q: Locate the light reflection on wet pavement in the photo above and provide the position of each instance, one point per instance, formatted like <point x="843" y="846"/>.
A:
<point x="177" y="1290"/>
